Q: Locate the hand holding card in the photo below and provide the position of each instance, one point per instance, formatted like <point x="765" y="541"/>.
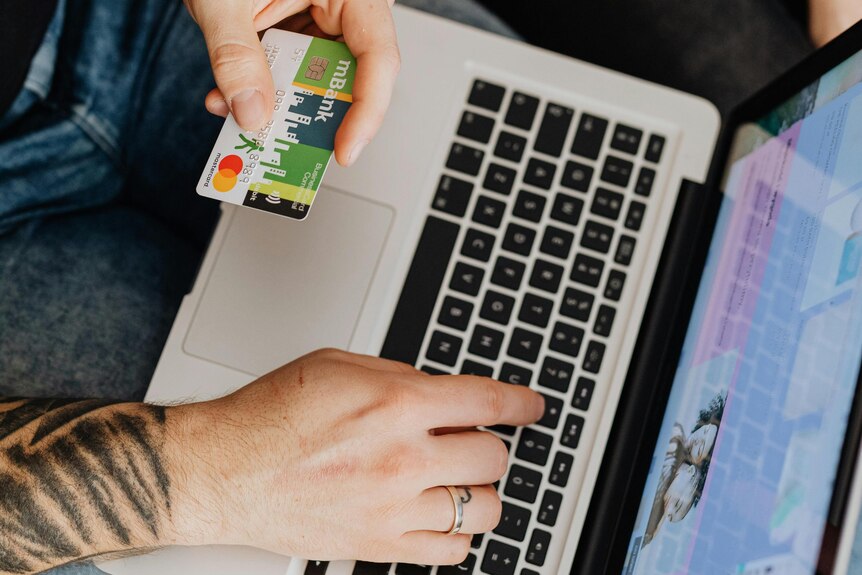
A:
<point x="278" y="169"/>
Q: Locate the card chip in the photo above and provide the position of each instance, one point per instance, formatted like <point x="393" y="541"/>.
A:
<point x="316" y="68"/>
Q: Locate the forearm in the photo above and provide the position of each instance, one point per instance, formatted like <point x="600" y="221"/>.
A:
<point x="85" y="478"/>
<point x="828" y="18"/>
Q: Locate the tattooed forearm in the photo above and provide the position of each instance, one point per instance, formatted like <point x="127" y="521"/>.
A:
<point x="79" y="478"/>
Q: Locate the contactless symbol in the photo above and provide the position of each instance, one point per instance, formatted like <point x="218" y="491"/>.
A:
<point x="316" y="68"/>
<point x="228" y="170"/>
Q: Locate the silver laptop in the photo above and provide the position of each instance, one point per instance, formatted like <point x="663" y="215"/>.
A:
<point x="510" y="220"/>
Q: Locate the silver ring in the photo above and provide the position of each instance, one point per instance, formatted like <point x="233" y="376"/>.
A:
<point x="459" y="510"/>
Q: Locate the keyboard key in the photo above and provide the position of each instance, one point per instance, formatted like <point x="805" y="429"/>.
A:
<point x="497" y="307"/>
<point x="643" y="185"/>
<point x="583" y="393"/>
<point x="525" y="345"/>
<point x="526" y="571"/>
<point x="466" y="567"/>
<point x="561" y="469"/>
<point x="444" y="348"/>
<point x="567" y="209"/>
<point x="540" y="173"/>
<point x="594" y="356"/>
<point x="557" y="242"/>
<point x="529" y="206"/>
<point x="538" y="549"/>
<point x="597" y="237"/>
<point x="625" y="250"/>
<point x="510" y="146"/>
<point x="546" y="276"/>
<point x="549" y="508"/>
<point x="556" y="374"/>
<point x="316" y="567"/>
<point x="572" y="431"/>
<point x="589" y="137"/>
<point x="626" y="139"/>
<point x="534" y="446"/>
<point x="617" y="171"/>
<point x="523" y="483"/>
<point x="607" y="203"/>
<point x="368" y="568"/>
<point x="489" y="211"/>
<point x="410" y="569"/>
<point x="466" y="278"/>
<point x="553" y="411"/>
<point x="433" y="370"/>
<point x="478" y="245"/>
<point x="409" y="325"/>
<point x="522" y="111"/>
<point x="616" y="282"/>
<point x="519" y="239"/>
<point x="577" y="176"/>
<point x="554" y="129"/>
<point x="499" y="179"/>
<point x="604" y="320"/>
<point x="486" y="95"/>
<point x="577" y="304"/>
<point x="635" y="216"/>
<point x="452" y="196"/>
<point x="535" y="310"/>
<point x="504" y="429"/>
<point x="567" y="339"/>
<point x="455" y="313"/>
<point x="476" y="540"/>
<point x="508" y="273"/>
<point x="486" y="342"/>
<point x="587" y="270"/>
<point x="514" y="521"/>
<point x="654" y="149"/>
<point x="470" y="367"/>
<point x="476" y="127"/>
<point x="515" y="374"/>
<point x="465" y="159"/>
<point x="500" y="559"/>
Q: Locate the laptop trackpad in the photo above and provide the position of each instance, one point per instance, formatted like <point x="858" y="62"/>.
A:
<point x="281" y="288"/>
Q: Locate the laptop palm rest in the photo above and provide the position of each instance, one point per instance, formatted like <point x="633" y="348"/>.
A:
<point x="280" y="288"/>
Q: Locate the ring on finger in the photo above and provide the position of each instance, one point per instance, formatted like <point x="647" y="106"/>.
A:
<point x="458" y="503"/>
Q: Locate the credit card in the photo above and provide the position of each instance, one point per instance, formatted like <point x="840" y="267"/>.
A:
<point x="279" y="168"/>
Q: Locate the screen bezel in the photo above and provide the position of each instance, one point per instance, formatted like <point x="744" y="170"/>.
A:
<point x="604" y="545"/>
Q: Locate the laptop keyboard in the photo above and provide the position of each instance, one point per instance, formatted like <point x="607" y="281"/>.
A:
<point x="520" y="274"/>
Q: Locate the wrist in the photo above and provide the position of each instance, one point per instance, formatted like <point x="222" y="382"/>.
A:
<point x="195" y="516"/>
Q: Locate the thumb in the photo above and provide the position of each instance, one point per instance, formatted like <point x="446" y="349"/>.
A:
<point x="237" y="60"/>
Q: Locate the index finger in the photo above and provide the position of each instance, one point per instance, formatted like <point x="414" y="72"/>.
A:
<point x="468" y="401"/>
<point x="369" y="32"/>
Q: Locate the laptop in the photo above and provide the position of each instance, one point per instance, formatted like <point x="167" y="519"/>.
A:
<point x="697" y="332"/>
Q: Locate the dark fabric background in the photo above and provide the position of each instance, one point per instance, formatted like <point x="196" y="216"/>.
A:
<point x="723" y="50"/>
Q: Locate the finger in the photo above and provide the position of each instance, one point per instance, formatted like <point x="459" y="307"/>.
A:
<point x="237" y="60"/>
<point x="274" y="12"/>
<point x="467" y="458"/>
<point x="369" y="32"/>
<point x="216" y="104"/>
<point x="431" y="548"/>
<point x="434" y="510"/>
<point x="470" y="401"/>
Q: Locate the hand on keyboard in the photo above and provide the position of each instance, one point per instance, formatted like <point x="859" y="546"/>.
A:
<point x="343" y="456"/>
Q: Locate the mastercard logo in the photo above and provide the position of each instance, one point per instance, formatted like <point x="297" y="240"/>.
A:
<point x="228" y="171"/>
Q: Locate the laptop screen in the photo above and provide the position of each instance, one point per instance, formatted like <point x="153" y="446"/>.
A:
<point x="742" y="476"/>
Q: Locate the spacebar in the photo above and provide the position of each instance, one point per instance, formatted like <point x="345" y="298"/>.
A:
<point x="419" y="294"/>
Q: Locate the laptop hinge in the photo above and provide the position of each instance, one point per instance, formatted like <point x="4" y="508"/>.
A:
<point x="632" y="439"/>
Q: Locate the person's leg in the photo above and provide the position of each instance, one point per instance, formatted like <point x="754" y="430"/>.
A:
<point x="467" y="12"/>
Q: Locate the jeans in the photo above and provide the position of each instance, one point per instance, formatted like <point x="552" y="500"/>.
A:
<point x="101" y="230"/>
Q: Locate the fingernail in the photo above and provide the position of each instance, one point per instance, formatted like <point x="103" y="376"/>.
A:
<point x="356" y="152"/>
<point x="247" y="108"/>
<point x="219" y="108"/>
<point x="540" y="406"/>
